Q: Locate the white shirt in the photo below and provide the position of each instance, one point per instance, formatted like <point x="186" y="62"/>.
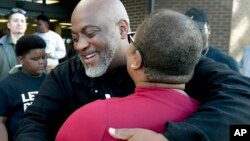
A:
<point x="54" y="46"/>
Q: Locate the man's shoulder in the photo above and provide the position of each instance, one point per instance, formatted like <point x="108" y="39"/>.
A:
<point x="49" y="34"/>
<point x="2" y="40"/>
<point x="222" y="57"/>
<point x="218" y="55"/>
<point x="53" y="33"/>
<point x="215" y="50"/>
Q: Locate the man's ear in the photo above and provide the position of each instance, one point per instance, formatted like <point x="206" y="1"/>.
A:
<point x="124" y="28"/>
<point x="8" y="25"/>
<point x="208" y="29"/>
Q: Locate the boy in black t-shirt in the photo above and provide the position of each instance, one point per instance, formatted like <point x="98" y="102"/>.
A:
<point x="18" y="90"/>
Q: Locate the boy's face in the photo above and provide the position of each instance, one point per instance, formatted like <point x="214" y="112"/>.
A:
<point x="34" y="62"/>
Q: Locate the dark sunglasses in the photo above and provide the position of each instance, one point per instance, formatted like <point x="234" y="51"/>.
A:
<point x="18" y="10"/>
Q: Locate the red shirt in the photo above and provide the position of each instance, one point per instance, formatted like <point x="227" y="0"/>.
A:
<point x="148" y="107"/>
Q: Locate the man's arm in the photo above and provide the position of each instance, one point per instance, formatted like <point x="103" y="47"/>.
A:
<point x="42" y="119"/>
<point x="225" y="98"/>
<point x="3" y="130"/>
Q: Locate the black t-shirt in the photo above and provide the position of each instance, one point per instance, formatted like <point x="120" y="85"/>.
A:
<point x="17" y="92"/>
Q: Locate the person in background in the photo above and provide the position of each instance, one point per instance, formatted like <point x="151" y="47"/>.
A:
<point x="159" y="82"/>
<point x="245" y="61"/>
<point x="201" y="18"/>
<point x="70" y="51"/>
<point x="99" y="31"/>
<point x="55" y="47"/>
<point x="17" y="26"/>
<point x="18" y="90"/>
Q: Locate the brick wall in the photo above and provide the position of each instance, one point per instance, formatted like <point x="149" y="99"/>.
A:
<point x="229" y="19"/>
<point x="219" y="12"/>
<point x="137" y="9"/>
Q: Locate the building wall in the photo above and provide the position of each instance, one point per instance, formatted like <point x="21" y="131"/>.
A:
<point x="219" y="12"/>
<point x="229" y="19"/>
<point x="137" y="10"/>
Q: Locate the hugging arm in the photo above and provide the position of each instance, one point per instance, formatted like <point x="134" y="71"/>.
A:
<point x="225" y="100"/>
<point x="41" y="120"/>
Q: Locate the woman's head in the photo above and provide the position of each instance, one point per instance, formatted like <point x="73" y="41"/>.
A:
<point x="170" y="45"/>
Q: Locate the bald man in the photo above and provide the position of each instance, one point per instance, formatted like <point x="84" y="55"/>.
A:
<point x="99" y="32"/>
<point x="159" y="82"/>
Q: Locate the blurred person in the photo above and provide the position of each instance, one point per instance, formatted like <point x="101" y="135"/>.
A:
<point x="99" y="31"/>
<point x="17" y="26"/>
<point x="70" y="51"/>
<point x="18" y="90"/>
<point x="201" y="18"/>
<point x="55" y="47"/>
<point x="159" y="82"/>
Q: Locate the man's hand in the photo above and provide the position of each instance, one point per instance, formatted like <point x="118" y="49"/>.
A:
<point x="136" y="134"/>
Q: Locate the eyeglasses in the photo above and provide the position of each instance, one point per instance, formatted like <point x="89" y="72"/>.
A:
<point x="131" y="40"/>
<point x="18" y="10"/>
